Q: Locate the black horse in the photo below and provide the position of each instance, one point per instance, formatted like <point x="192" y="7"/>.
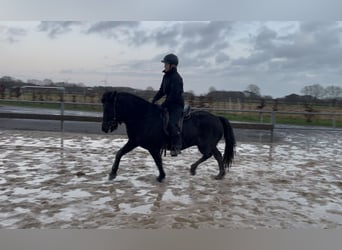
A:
<point x="146" y="128"/>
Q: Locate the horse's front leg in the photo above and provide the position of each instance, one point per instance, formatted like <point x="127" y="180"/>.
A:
<point x="158" y="160"/>
<point x="124" y="150"/>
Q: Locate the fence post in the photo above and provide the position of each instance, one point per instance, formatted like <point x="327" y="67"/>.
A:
<point x="62" y="116"/>
<point x="273" y="117"/>
<point x="334" y="121"/>
<point x="62" y="90"/>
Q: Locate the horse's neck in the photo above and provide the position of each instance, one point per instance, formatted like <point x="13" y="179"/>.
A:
<point x="136" y="109"/>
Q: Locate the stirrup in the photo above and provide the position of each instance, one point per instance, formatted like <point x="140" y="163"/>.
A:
<point x="186" y="112"/>
<point x="175" y="152"/>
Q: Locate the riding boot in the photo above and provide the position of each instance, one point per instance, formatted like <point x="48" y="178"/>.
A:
<point x="176" y="144"/>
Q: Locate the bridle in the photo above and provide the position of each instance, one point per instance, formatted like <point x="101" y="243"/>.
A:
<point x="114" y="106"/>
<point x="113" y="123"/>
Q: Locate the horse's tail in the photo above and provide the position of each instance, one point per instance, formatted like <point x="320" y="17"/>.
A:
<point x="229" y="151"/>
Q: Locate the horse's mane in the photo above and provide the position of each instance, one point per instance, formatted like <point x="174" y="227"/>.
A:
<point x="140" y="104"/>
<point x="134" y="97"/>
<point x="136" y="106"/>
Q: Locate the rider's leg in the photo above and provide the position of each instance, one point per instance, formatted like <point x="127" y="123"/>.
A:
<point x="174" y="129"/>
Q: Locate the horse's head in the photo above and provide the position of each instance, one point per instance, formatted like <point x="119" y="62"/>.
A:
<point x="109" y="120"/>
<point x="123" y="107"/>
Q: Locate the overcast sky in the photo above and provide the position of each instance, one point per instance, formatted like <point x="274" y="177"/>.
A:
<point x="280" y="57"/>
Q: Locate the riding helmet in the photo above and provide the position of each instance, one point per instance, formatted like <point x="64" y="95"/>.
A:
<point x="170" y="59"/>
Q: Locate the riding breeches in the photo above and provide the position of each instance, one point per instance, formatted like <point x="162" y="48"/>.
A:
<point x="175" y="115"/>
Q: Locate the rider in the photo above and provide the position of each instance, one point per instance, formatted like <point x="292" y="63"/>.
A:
<point x="172" y="87"/>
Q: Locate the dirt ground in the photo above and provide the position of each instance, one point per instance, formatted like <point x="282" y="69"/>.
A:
<point x="293" y="183"/>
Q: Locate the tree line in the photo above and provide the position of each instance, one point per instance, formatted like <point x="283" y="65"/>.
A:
<point x="311" y="93"/>
<point x="315" y="91"/>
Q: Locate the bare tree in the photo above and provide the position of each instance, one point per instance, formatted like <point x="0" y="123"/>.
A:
<point x="253" y="89"/>
<point x="191" y="92"/>
<point x="2" y="91"/>
<point x="316" y="91"/>
<point x="211" y="89"/>
<point x="333" y="92"/>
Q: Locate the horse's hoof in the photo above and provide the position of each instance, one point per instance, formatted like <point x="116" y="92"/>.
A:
<point x="111" y="177"/>
<point x="160" y="178"/>
<point x="219" y="177"/>
<point x="193" y="170"/>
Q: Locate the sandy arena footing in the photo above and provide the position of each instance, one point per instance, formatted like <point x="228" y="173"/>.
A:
<point x="294" y="183"/>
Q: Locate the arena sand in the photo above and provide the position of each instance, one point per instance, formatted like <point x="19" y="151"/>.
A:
<point x="294" y="183"/>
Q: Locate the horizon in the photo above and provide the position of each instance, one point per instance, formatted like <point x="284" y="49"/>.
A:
<point x="315" y="93"/>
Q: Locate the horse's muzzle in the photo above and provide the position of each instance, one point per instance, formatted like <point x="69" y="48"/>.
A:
<point x="112" y="125"/>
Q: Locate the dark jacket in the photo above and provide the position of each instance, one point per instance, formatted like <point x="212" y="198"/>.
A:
<point x="172" y="87"/>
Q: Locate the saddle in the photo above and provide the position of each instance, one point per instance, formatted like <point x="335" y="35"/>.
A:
<point x="186" y="112"/>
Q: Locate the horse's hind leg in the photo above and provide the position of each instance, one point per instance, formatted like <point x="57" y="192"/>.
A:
<point x="218" y="156"/>
<point x="195" y="165"/>
<point x="158" y="160"/>
<point x="124" y="150"/>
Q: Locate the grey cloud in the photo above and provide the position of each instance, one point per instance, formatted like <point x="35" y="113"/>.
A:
<point x="206" y="30"/>
<point x="198" y="34"/>
<point x="278" y="62"/>
<point x="55" y="28"/>
<point x="132" y="33"/>
<point x="211" y="37"/>
<point x="254" y="59"/>
<point x="265" y="39"/>
<point x="314" y="26"/>
<point x="222" y="58"/>
<point x="312" y="46"/>
<point x="16" y="31"/>
<point x="109" y="27"/>
<point x="128" y="32"/>
<point x="322" y="33"/>
<point x="195" y="42"/>
<point x="12" y="34"/>
<point x="273" y="54"/>
<point x="168" y="36"/>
